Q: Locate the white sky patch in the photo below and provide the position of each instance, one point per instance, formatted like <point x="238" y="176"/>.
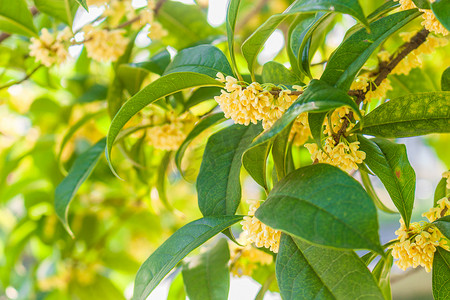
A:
<point x="186" y="1"/>
<point x="138" y="3"/>
<point x="217" y="10"/>
<point x="83" y="17"/>
<point x="272" y="47"/>
<point x="142" y="39"/>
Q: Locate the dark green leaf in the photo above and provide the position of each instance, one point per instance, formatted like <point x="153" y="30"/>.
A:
<point x="83" y="4"/>
<point x="276" y="73"/>
<point x="206" y="276"/>
<point x="441" y="9"/>
<point x="279" y="152"/>
<point x="175" y="248"/>
<point x="323" y="205"/>
<point x="81" y="169"/>
<point x="218" y="184"/>
<point x="441" y="274"/>
<point x="371" y="191"/>
<point x="16" y="18"/>
<point x="382" y="272"/>
<point x="318" y="97"/>
<point x="157" y="63"/>
<point x="425" y="4"/>
<point x="161" y="180"/>
<point x="202" y="125"/>
<point x="352" y="54"/>
<point x="389" y="161"/>
<point x="416" y="81"/>
<point x="63" y="10"/>
<point x="202" y="94"/>
<point x="159" y="88"/>
<point x="254" y="161"/>
<point x="443" y="224"/>
<point x="232" y="11"/>
<point x="441" y="191"/>
<point x="411" y="115"/>
<point x="131" y="77"/>
<point x="308" y="272"/>
<point x="204" y="59"/>
<point x="445" y="80"/>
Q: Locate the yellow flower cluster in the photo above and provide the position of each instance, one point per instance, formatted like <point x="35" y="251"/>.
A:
<point x="447" y="175"/>
<point x="343" y="155"/>
<point x="258" y="233"/>
<point x="244" y="260"/>
<point x="49" y="48"/>
<point x="416" y="245"/>
<point x="430" y="22"/>
<point x="171" y="135"/>
<point x="300" y="131"/>
<point x="104" y="45"/>
<point x="413" y="59"/>
<point x="245" y="105"/>
<point x="362" y="83"/>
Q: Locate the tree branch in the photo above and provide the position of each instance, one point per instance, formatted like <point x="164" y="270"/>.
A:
<point x="21" y="80"/>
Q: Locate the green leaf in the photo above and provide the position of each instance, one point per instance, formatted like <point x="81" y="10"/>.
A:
<point x="131" y="77"/>
<point x="441" y="190"/>
<point x="441" y="9"/>
<point x="445" y="80"/>
<point x="253" y="44"/>
<point x="80" y="171"/>
<point x="276" y="73"/>
<point x="232" y="12"/>
<point x="382" y="272"/>
<point x="202" y="94"/>
<point x="83" y="4"/>
<point x="16" y="18"/>
<point x="187" y="24"/>
<point x="411" y="115"/>
<point x="352" y="54"/>
<point x="279" y="152"/>
<point x="161" y="179"/>
<point x="443" y="224"/>
<point x="318" y="97"/>
<point x="371" y="191"/>
<point x="201" y="126"/>
<point x="323" y="205"/>
<point x="308" y="272"/>
<point x="63" y="10"/>
<point x="218" y="184"/>
<point x="203" y="59"/>
<point x="441" y="274"/>
<point x="175" y="248"/>
<point x="416" y="81"/>
<point x="176" y="291"/>
<point x="206" y="276"/>
<point x="162" y="87"/>
<point x="254" y="161"/>
<point x="389" y="161"/>
<point x="157" y="63"/>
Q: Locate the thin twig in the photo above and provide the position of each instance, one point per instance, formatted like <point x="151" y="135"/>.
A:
<point x="158" y="6"/>
<point x="21" y="80"/>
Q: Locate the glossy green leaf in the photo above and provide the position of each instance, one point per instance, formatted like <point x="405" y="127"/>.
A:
<point x="276" y="73"/>
<point x="254" y="161"/>
<point x="308" y="272"/>
<point x="161" y="179"/>
<point x="441" y="9"/>
<point x="425" y="4"/>
<point x="371" y="191"/>
<point x="443" y="224"/>
<point x="318" y="97"/>
<point x="253" y="45"/>
<point x="157" y="63"/>
<point x="175" y="248"/>
<point x="218" y="184"/>
<point x="232" y="12"/>
<point x="63" y="10"/>
<point x="204" y="59"/>
<point x="323" y="205"/>
<point x="81" y="169"/>
<point x="187" y="24"/>
<point x="445" y="80"/>
<point x="382" y="273"/>
<point x="441" y="190"/>
<point x="207" y="276"/>
<point x="279" y="151"/>
<point x="352" y="54"/>
<point x="131" y="77"/>
<point x="16" y="18"/>
<point x="202" y="125"/>
<point x="416" y="81"/>
<point x="441" y="274"/>
<point x="389" y="161"/>
<point x="411" y="115"/>
<point x="202" y="94"/>
<point x="159" y="88"/>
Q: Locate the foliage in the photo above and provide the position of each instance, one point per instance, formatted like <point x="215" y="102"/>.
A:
<point x="204" y="136"/>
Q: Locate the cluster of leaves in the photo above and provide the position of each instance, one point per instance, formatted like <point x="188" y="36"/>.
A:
<point x="323" y="212"/>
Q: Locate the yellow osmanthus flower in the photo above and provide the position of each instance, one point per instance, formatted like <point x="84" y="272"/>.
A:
<point x="362" y="83"/>
<point x="171" y="135"/>
<point x="259" y="233"/>
<point x="430" y="22"/>
<point x="416" y="246"/>
<point x="104" y="45"/>
<point x="49" y="48"/>
<point x="157" y="32"/>
<point x="447" y="175"/>
<point x="244" y="260"/>
<point x="300" y="131"/>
